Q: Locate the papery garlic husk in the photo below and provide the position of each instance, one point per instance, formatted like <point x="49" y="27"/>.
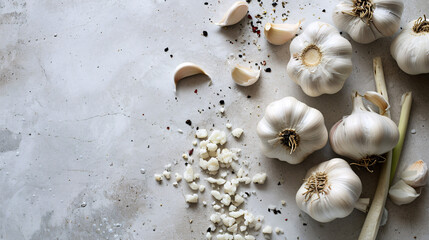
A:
<point x="401" y="193"/>
<point x="321" y="60"/>
<point x="416" y="174"/>
<point x="279" y="34"/>
<point x="330" y="190"/>
<point x="187" y="69"/>
<point x="291" y="130"/>
<point x="244" y="76"/>
<point x="411" y="47"/>
<point x="368" y="20"/>
<point x="363" y="135"/>
<point x="234" y="14"/>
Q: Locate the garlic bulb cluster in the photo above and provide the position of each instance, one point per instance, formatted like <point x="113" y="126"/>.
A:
<point x="410" y="48"/>
<point x="330" y="190"/>
<point x="368" y="20"/>
<point x="321" y="60"/>
<point x="291" y="130"/>
<point x="279" y="34"/>
<point x="364" y="135"/>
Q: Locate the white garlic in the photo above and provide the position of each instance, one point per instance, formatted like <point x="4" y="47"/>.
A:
<point x="363" y="135"/>
<point x="331" y="190"/>
<point x="410" y="48"/>
<point x="279" y="34"/>
<point x="244" y="76"/>
<point x="234" y="14"/>
<point x="291" y="130"/>
<point x="187" y="69"/>
<point x="321" y="60"/>
<point x="416" y="174"/>
<point x="368" y="20"/>
<point x="401" y="193"/>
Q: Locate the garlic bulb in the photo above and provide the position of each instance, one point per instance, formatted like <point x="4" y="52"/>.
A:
<point x="244" y="76"/>
<point x="291" y="130"/>
<point x="410" y="48"/>
<point x="416" y="174"/>
<point x="368" y="20"/>
<point x="279" y="34"/>
<point x="401" y="193"/>
<point x="234" y="14"/>
<point x="330" y="190"/>
<point x="321" y="60"/>
<point x="364" y="135"/>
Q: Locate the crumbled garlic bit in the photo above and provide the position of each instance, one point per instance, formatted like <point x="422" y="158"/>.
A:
<point x="245" y="180"/>
<point x="203" y="144"/>
<point x="228" y="125"/>
<point x="204" y="153"/>
<point x="248" y="218"/>
<point x="211" y="147"/>
<point x="238" y="200"/>
<point x="201" y="133"/>
<point x="240" y="173"/>
<point x="158" y="177"/>
<point x="188" y="175"/>
<point x="208" y="236"/>
<point x="204" y="203"/>
<point x="218" y="137"/>
<point x="279" y="230"/>
<point x="222" y="110"/>
<point x="232" y="208"/>
<point x="191" y="198"/>
<point x="225" y="236"/>
<point x="233" y="228"/>
<point x="215" y="218"/>
<point x="178" y="177"/>
<point x="259" y="178"/>
<point x="257" y="226"/>
<point x="267" y="230"/>
<point x="185" y="156"/>
<point x="195" y="142"/>
<point x="203" y="164"/>
<point x="213" y="165"/>
<point x="194" y="186"/>
<point x="202" y="188"/>
<point x="230" y="188"/>
<point x="216" y="207"/>
<point x="175" y="184"/>
<point x="283" y="202"/>
<point x="249" y="237"/>
<point x="196" y="176"/>
<point x="212" y="154"/>
<point x="238" y="237"/>
<point x="168" y="167"/>
<point x="167" y="175"/>
<point x="216" y="194"/>
<point x="237" y="132"/>
<point x="223" y="174"/>
<point x="243" y="228"/>
<point x="218" y="181"/>
<point x="226" y="200"/>
<point x="237" y="214"/>
<point x="227" y="221"/>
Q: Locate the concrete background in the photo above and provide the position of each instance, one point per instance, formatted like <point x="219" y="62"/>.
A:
<point x="86" y="96"/>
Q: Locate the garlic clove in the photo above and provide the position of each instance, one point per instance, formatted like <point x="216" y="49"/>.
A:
<point x="416" y="174"/>
<point x="401" y="193"/>
<point x="378" y="100"/>
<point x="187" y="69"/>
<point x="234" y="14"/>
<point x="244" y="76"/>
<point x="279" y="34"/>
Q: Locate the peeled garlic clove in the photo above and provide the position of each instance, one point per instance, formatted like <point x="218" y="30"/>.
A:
<point x="401" y="193"/>
<point x="378" y="100"/>
<point x="187" y="69"/>
<point x="279" y="34"/>
<point x="244" y="76"/>
<point x="416" y="174"/>
<point x="234" y="14"/>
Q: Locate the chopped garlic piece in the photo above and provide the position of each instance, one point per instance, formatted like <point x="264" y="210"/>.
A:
<point x="229" y="188"/>
<point x="228" y="221"/>
<point x="175" y="184"/>
<point x="212" y="154"/>
<point x="204" y="203"/>
<point x="233" y="228"/>
<point x="185" y="156"/>
<point x="225" y="236"/>
<point x="237" y="132"/>
<point x="158" y="177"/>
<point x="279" y="230"/>
<point x="216" y="194"/>
<point x="228" y="125"/>
<point x="208" y="236"/>
<point x="238" y="200"/>
<point x="201" y="133"/>
<point x="188" y="175"/>
<point x="222" y="110"/>
<point x="178" y="177"/>
<point x="194" y="186"/>
<point x="203" y="144"/>
<point x="194" y="142"/>
<point x="238" y="237"/>
<point x="191" y="198"/>
<point x="218" y="137"/>
<point x="218" y="181"/>
<point x="243" y="228"/>
<point x="249" y="237"/>
<point x="216" y="207"/>
<point x="259" y="178"/>
<point x="237" y="214"/>
<point x="203" y="164"/>
<point x="213" y="165"/>
<point x="226" y="200"/>
<point x="283" y="202"/>
<point x="167" y="175"/>
<point x="232" y="208"/>
<point x="211" y="147"/>
<point x="215" y="218"/>
<point x="267" y="230"/>
<point x="204" y="153"/>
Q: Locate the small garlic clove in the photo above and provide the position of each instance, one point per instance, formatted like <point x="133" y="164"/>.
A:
<point x="234" y="14"/>
<point x="416" y="174"/>
<point x="378" y="100"/>
<point x="244" y="76"/>
<point x="187" y="69"/>
<point x="279" y="34"/>
<point x="401" y="193"/>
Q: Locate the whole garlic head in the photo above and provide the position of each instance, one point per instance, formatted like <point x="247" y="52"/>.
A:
<point x="330" y="190"/>
<point x="416" y="174"/>
<point x="291" y="130"/>
<point x="363" y="135"/>
<point x="321" y="60"/>
<point x="368" y="20"/>
<point x="410" y="48"/>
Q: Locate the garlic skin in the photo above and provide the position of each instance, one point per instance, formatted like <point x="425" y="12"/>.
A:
<point x="321" y="60"/>
<point x="187" y="69"/>
<point x="363" y="134"/>
<point x="244" y="76"/>
<point x="410" y="48"/>
<point x="368" y="20"/>
<point x="330" y="190"/>
<point x="416" y="174"/>
<point x="291" y="130"/>
<point x="401" y="193"/>
<point x="279" y="34"/>
<point x="234" y="14"/>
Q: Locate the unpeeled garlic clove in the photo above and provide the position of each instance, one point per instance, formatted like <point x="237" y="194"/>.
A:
<point x="234" y="14"/>
<point x="279" y="34"/>
<point x="416" y="174"/>
<point x="401" y="193"/>
<point x="187" y="69"/>
<point x="378" y="100"/>
<point x="244" y="76"/>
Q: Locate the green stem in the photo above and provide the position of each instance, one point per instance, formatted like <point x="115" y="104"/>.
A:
<point x="407" y="99"/>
